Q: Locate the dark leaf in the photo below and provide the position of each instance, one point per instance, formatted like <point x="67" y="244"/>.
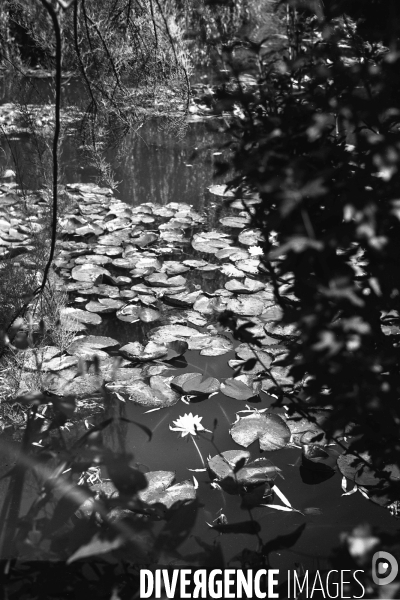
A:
<point x="283" y="542"/>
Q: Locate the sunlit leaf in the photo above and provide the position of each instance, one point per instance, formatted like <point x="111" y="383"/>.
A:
<point x="270" y="429"/>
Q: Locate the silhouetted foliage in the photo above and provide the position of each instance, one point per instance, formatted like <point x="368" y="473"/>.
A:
<point x="318" y="140"/>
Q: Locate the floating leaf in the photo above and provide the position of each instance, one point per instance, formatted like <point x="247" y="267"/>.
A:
<point x="184" y="299"/>
<point x="240" y="389"/>
<point x="95" y="307"/>
<point x="160" y="491"/>
<point x="270" y="429"/>
<point x="137" y="352"/>
<point x="96" y="259"/>
<point x="59" y="363"/>
<point x="236" y="222"/>
<point x="175" y="349"/>
<point x="34" y="358"/>
<point x="197" y="386"/>
<point x="111" y="303"/>
<point x="281" y="378"/>
<point x="233" y="471"/>
<point x="360" y="470"/>
<point x="210" y="242"/>
<point x="178" y="381"/>
<point x="249" y="286"/>
<point x="129" y="313"/>
<point x="195" y="263"/>
<point x="147" y="238"/>
<point x="162" y="280"/>
<point x="251" y="237"/>
<point x="173" y="267"/>
<point x="221" y="189"/>
<point x="68" y="315"/>
<point x="248" y="265"/>
<point x="196" y="318"/>
<point x="246" y="305"/>
<point x="89" y="346"/>
<point x="158" y="394"/>
<point x="148" y="315"/>
<point x="231" y="271"/>
<point x="170" y="333"/>
<point x="88" y="272"/>
<point x="228" y="252"/>
<point x="210" y="345"/>
<point x="264" y="360"/>
<point x="224" y="465"/>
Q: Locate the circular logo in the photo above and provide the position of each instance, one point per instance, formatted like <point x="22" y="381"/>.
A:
<point x="384" y="568"/>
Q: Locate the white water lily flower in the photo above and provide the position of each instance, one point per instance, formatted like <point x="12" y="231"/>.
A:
<point x="255" y="251"/>
<point x="188" y="424"/>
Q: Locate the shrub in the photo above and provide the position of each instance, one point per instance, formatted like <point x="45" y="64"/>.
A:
<point x="318" y="140"/>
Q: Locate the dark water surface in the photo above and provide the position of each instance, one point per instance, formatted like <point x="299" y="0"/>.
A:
<point x="153" y="165"/>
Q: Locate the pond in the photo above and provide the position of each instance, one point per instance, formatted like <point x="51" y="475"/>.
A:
<point x="159" y="168"/>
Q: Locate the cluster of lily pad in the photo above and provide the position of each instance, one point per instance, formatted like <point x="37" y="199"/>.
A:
<point x="153" y="265"/>
<point x="156" y="271"/>
<point x="20" y="220"/>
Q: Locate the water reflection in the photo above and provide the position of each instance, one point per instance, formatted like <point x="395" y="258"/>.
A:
<point x="154" y="165"/>
<point x="151" y="165"/>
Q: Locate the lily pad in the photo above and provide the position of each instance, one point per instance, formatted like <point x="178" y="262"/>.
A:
<point x="248" y="286"/>
<point x="160" y="491"/>
<point x="270" y="429"/>
<point x="240" y="388"/>
<point x="248" y="265"/>
<point x="251" y="237"/>
<point x="96" y="259"/>
<point x="84" y="386"/>
<point x="59" y="363"/>
<point x="246" y="305"/>
<point x="174" y="267"/>
<point x="146" y="238"/>
<point x="233" y="470"/>
<point x="170" y="333"/>
<point x="355" y="468"/>
<point x="129" y="314"/>
<point x="184" y="299"/>
<point x="158" y="394"/>
<point x="231" y="271"/>
<point x="304" y="431"/>
<point x="96" y="307"/>
<point x="210" y="345"/>
<point x="178" y="382"/>
<point x="210" y="242"/>
<point x="176" y="349"/>
<point x="225" y="464"/>
<point x="148" y="315"/>
<point x="281" y="377"/>
<point x="77" y="314"/>
<point x="89" y="344"/>
<point x="197" y="386"/>
<point x="196" y="318"/>
<point x="209" y="306"/>
<point x="264" y="360"/>
<point x="88" y="272"/>
<point x="195" y="263"/>
<point x="162" y="280"/>
<point x="35" y="358"/>
<point x="137" y="352"/>
<point x="236" y="222"/>
<point x="221" y="190"/>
